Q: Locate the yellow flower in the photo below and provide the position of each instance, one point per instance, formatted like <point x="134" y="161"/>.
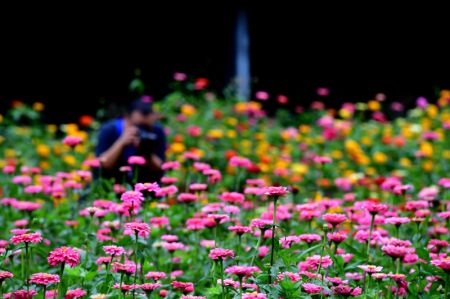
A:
<point x="2" y="163"/>
<point x="231" y="134"/>
<point x="215" y="133"/>
<point x="371" y="171"/>
<point x="2" y="139"/>
<point x="232" y="121"/>
<point x="374" y="105"/>
<point x="345" y="113"/>
<point x="43" y="150"/>
<point x="366" y="140"/>
<point x="188" y="109"/>
<point x="426" y="148"/>
<point x="427" y="165"/>
<point x="299" y="168"/>
<point x="52" y="128"/>
<point x="380" y="158"/>
<point x="1" y="118"/>
<point x="336" y="154"/>
<point x="177" y="147"/>
<point x="259" y="136"/>
<point x="432" y="110"/>
<point x="304" y="129"/>
<point x="57" y="149"/>
<point x="38" y="106"/>
<point x="44" y="165"/>
<point x="10" y="153"/>
<point x="70" y="129"/>
<point x="405" y="162"/>
<point x="70" y="160"/>
<point x="446" y="154"/>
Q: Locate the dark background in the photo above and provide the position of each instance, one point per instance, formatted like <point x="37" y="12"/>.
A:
<point x="71" y="61"/>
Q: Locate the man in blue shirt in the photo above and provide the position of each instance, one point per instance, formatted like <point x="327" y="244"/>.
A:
<point x="135" y="134"/>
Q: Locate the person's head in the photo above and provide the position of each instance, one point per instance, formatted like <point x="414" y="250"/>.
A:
<point x="140" y="112"/>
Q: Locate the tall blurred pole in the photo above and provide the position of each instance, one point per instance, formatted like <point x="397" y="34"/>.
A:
<point x="242" y="57"/>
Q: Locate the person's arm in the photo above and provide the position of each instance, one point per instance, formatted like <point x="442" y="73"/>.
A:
<point x="111" y="154"/>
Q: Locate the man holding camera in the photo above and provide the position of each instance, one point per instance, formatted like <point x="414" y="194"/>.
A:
<point x="135" y="134"/>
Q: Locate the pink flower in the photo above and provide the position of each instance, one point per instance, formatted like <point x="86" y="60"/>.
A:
<point x="187" y="197"/>
<point x="323" y="91"/>
<point x="44" y="278"/>
<point x="343" y="184"/>
<point x="220" y="253"/>
<point x="322" y="160"/>
<point x="170" y="165"/>
<point x="334" y="219"/>
<point x="128" y="267"/>
<point x="159" y="221"/>
<point x="239" y="229"/>
<point x="67" y="255"/>
<point x="75" y="293"/>
<point x="132" y="198"/>
<point x="237" y="161"/>
<point x="137" y="228"/>
<point x="275" y="191"/>
<point x="23" y="294"/>
<point x="428" y="193"/>
<point x="262" y="95"/>
<point x="149" y="287"/>
<point x="337" y="237"/>
<point x="149" y="187"/>
<point x="443" y="263"/>
<point x="72" y="141"/>
<point x="136" y="160"/>
<point x="397" y="220"/>
<point x="4" y="275"/>
<point x="179" y="76"/>
<point x="394" y="251"/>
<point x="254" y="295"/>
<point x="114" y="250"/>
<point x="22" y="180"/>
<point x="173" y="246"/>
<point x="444" y="182"/>
<point x="195" y="224"/>
<point x="311" y="288"/>
<point x="292" y="276"/>
<point x="346" y="290"/>
<point x="186" y="287"/>
<point x="262" y="224"/>
<point x="232" y="197"/>
<point x="198" y="187"/>
<point x="370" y="268"/>
<point x="9" y="169"/>
<point x="242" y="270"/>
<point x="310" y="238"/>
<point x="155" y="275"/>
<point x="315" y="260"/>
<point x="27" y="238"/>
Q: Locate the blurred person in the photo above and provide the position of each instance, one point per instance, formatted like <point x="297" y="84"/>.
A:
<point x="137" y="133"/>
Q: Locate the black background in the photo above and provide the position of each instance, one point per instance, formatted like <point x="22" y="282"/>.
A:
<point x="72" y="59"/>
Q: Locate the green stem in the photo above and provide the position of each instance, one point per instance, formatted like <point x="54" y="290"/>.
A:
<point x="447" y="283"/>
<point x="257" y="248"/>
<point x="43" y="291"/>
<point x="240" y="287"/>
<point x="135" y="261"/>
<point x="222" y="278"/>
<point x="372" y="222"/>
<point x="397" y="270"/>
<point x="26" y="267"/>
<point x="273" y="238"/>
<point x="238" y="248"/>
<point x="60" y="285"/>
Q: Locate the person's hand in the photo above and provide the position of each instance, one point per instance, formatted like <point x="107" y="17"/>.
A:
<point x="129" y="136"/>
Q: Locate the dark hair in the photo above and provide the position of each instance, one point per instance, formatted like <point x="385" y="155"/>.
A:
<point x="142" y="104"/>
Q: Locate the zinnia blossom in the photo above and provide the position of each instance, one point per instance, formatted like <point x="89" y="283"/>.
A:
<point x="221" y="253"/>
<point x="242" y="270"/>
<point x="136" y="160"/>
<point x="44" y="278"/>
<point x="370" y="268"/>
<point x="275" y="191"/>
<point x="141" y="229"/>
<point x="132" y="198"/>
<point x="334" y="219"/>
<point x="66" y="255"/>
<point x="311" y="288"/>
<point x="114" y="250"/>
<point x="72" y="140"/>
<point x="75" y="293"/>
<point x="27" y="238"/>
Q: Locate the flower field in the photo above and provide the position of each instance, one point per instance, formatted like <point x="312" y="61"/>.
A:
<point x="337" y="203"/>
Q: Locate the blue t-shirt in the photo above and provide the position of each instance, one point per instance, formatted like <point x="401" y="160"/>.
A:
<point x="111" y="131"/>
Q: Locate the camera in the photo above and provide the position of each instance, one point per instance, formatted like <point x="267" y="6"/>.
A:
<point x="148" y="139"/>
